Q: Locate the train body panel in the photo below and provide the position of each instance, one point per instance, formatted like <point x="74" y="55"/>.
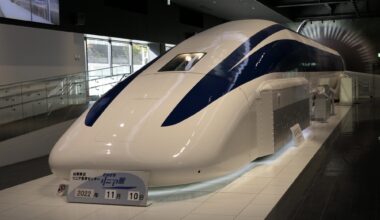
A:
<point x="191" y="115"/>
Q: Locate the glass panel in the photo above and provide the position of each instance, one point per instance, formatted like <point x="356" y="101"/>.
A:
<point x="140" y="56"/>
<point x="121" y="58"/>
<point x="182" y="62"/>
<point x="97" y="54"/>
<point x="111" y="59"/>
<point x="121" y="53"/>
<point x="99" y="63"/>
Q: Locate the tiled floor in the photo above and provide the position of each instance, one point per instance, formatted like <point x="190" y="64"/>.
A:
<point x="250" y="193"/>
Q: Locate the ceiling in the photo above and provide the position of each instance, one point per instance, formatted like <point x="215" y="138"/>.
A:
<point x="234" y="9"/>
<point x="298" y="10"/>
<point x="283" y="11"/>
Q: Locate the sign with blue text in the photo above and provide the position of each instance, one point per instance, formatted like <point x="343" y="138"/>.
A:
<point x="108" y="187"/>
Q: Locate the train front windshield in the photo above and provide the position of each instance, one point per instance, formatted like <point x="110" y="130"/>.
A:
<point x="182" y="62"/>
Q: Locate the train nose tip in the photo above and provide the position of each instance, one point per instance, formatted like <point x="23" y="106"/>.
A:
<point x="58" y="165"/>
<point x="95" y="155"/>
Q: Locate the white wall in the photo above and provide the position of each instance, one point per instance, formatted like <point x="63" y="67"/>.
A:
<point x="31" y="145"/>
<point x="30" y="53"/>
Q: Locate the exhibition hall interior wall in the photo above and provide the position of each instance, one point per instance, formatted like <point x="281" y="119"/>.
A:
<point x="30" y="53"/>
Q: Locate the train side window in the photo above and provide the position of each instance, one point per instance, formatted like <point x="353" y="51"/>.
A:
<point x="182" y="62"/>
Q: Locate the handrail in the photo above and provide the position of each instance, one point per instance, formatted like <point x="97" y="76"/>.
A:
<point x="44" y="79"/>
<point x="26" y="102"/>
<point x="83" y="80"/>
<point x="60" y="90"/>
<point x="35" y="97"/>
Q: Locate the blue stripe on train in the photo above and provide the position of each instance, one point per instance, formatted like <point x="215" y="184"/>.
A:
<point x="214" y="84"/>
<point x="99" y="106"/>
<point x="278" y="56"/>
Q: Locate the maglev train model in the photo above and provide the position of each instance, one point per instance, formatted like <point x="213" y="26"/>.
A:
<point x="205" y="108"/>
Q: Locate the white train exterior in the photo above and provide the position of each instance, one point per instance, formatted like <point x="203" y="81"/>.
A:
<point x="197" y="112"/>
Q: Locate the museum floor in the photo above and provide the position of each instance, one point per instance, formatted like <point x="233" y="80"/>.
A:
<point x="334" y="180"/>
<point x="342" y="180"/>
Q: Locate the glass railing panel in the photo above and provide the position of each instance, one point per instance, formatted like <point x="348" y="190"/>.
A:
<point x="34" y="108"/>
<point x="33" y="95"/>
<point x="9" y="114"/>
<point x="56" y="102"/>
<point x="120" y="70"/>
<point x="28" y="99"/>
<point x="12" y="100"/>
<point x="77" y="93"/>
<point x="10" y="91"/>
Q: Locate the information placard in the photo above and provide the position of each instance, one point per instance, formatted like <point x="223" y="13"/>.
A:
<point x="108" y="187"/>
<point x="297" y="134"/>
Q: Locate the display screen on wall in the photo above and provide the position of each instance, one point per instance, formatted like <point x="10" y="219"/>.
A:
<point x="41" y="11"/>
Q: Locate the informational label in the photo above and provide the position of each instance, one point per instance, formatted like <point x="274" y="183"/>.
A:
<point x="108" y="187"/>
<point x="297" y="134"/>
<point x="62" y="189"/>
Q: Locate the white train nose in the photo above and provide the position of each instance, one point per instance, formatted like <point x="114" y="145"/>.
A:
<point x="121" y="156"/>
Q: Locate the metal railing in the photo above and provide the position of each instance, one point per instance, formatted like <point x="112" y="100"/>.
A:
<point x="31" y="98"/>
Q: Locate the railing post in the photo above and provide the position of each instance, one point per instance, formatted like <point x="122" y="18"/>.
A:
<point x="46" y="97"/>
<point x="22" y="101"/>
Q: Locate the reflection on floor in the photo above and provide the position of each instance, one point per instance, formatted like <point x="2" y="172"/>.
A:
<point x="248" y="194"/>
<point x="342" y="180"/>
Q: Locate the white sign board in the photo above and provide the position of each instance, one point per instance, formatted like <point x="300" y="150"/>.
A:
<point x="108" y="187"/>
<point x="297" y="134"/>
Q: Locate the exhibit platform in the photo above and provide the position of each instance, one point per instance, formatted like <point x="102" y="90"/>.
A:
<point x="250" y="193"/>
